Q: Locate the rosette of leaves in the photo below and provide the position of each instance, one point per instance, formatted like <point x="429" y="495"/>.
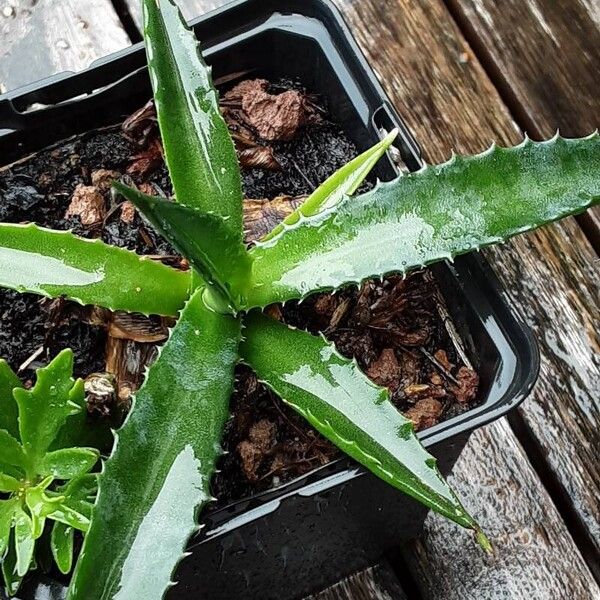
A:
<point x="43" y="476"/>
<point x="158" y="475"/>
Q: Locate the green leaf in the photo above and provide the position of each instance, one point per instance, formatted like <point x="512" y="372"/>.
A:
<point x="345" y="406"/>
<point x="43" y="504"/>
<point x="12" y="580"/>
<point x="202" y="238"/>
<point x="344" y="182"/>
<point x="67" y="463"/>
<point x="61" y="543"/>
<point x="159" y="473"/>
<point x="57" y="263"/>
<point x="11" y="470"/>
<point x="7" y="511"/>
<point x="42" y="414"/>
<point x="198" y="148"/>
<point x="11" y="452"/>
<point x="73" y="430"/>
<point x="8" y="407"/>
<point x="8" y="483"/>
<point x="434" y="214"/>
<point x="63" y="513"/>
<point x="24" y="541"/>
<point x="76" y="492"/>
<point x="84" y="487"/>
<point x="40" y="505"/>
<point x="80" y="493"/>
<point x="70" y="504"/>
<point x="44" y="408"/>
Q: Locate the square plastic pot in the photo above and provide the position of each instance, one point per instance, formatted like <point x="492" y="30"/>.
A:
<point x="306" y="534"/>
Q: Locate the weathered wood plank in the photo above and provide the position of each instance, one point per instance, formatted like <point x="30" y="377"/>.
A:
<point x="438" y="87"/>
<point x="375" y="583"/>
<point x="544" y="55"/>
<point x="551" y="275"/>
<point x="43" y="37"/>
<point x="189" y="8"/>
<point x="548" y="53"/>
<point x="535" y="557"/>
<point x="558" y="292"/>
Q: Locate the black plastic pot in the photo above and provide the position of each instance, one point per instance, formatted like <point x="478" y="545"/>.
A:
<point x="310" y="532"/>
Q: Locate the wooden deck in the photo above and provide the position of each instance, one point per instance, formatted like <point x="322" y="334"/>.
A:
<point x="462" y="73"/>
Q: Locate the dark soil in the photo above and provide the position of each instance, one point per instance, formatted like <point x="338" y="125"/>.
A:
<point x="393" y="328"/>
<point x="306" y="161"/>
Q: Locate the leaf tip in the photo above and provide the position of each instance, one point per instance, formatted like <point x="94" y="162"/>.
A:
<point x="484" y="542"/>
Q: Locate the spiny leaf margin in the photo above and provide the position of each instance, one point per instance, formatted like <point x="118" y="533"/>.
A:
<point x="333" y="394"/>
<point x="162" y="462"/>
<point x="199" y="151"/>
<point x="203" y="238"/>
<point x="433" y="214"/>
<point x="57" y="263"/>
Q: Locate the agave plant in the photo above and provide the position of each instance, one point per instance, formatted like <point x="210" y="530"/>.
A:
<point x="158" y="475"/>
<point x="44" y="475"/>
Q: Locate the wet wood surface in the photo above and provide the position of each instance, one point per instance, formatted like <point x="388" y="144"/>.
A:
<point x="543" y="56"/>
<point x="533" y="482"/>
<point x="547" y="71"/>
<point x="549" y="63"/>
<point x="534" y="558"/>
<point x="43" y="37"/>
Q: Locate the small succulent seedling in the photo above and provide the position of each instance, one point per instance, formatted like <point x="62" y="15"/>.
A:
<point x="158" y="475"/>
<point x="43" y="474"/>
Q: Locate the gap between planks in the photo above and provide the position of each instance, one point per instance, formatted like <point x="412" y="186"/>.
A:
<point x="578" y="529"/>
<point x="132" y="27"/>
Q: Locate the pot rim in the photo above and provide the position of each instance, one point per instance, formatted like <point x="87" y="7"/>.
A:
<point x="518" y="346"/>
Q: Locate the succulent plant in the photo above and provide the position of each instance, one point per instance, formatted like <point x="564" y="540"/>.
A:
<point x="44" y="475"/>
<point x="158" y="475"/>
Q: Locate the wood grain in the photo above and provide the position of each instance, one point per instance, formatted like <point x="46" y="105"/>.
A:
<point x="43" y="37"/>
<point x="547" y="52"/>
<point x="559" y="297"/>
<point x="535" y="558"/>
<point x="552" y="275"/>
<point x="449" y="102"/>
<point x="189" y="8"/>
<point x="375" y="583"/>
<point x="544" y="55"/>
